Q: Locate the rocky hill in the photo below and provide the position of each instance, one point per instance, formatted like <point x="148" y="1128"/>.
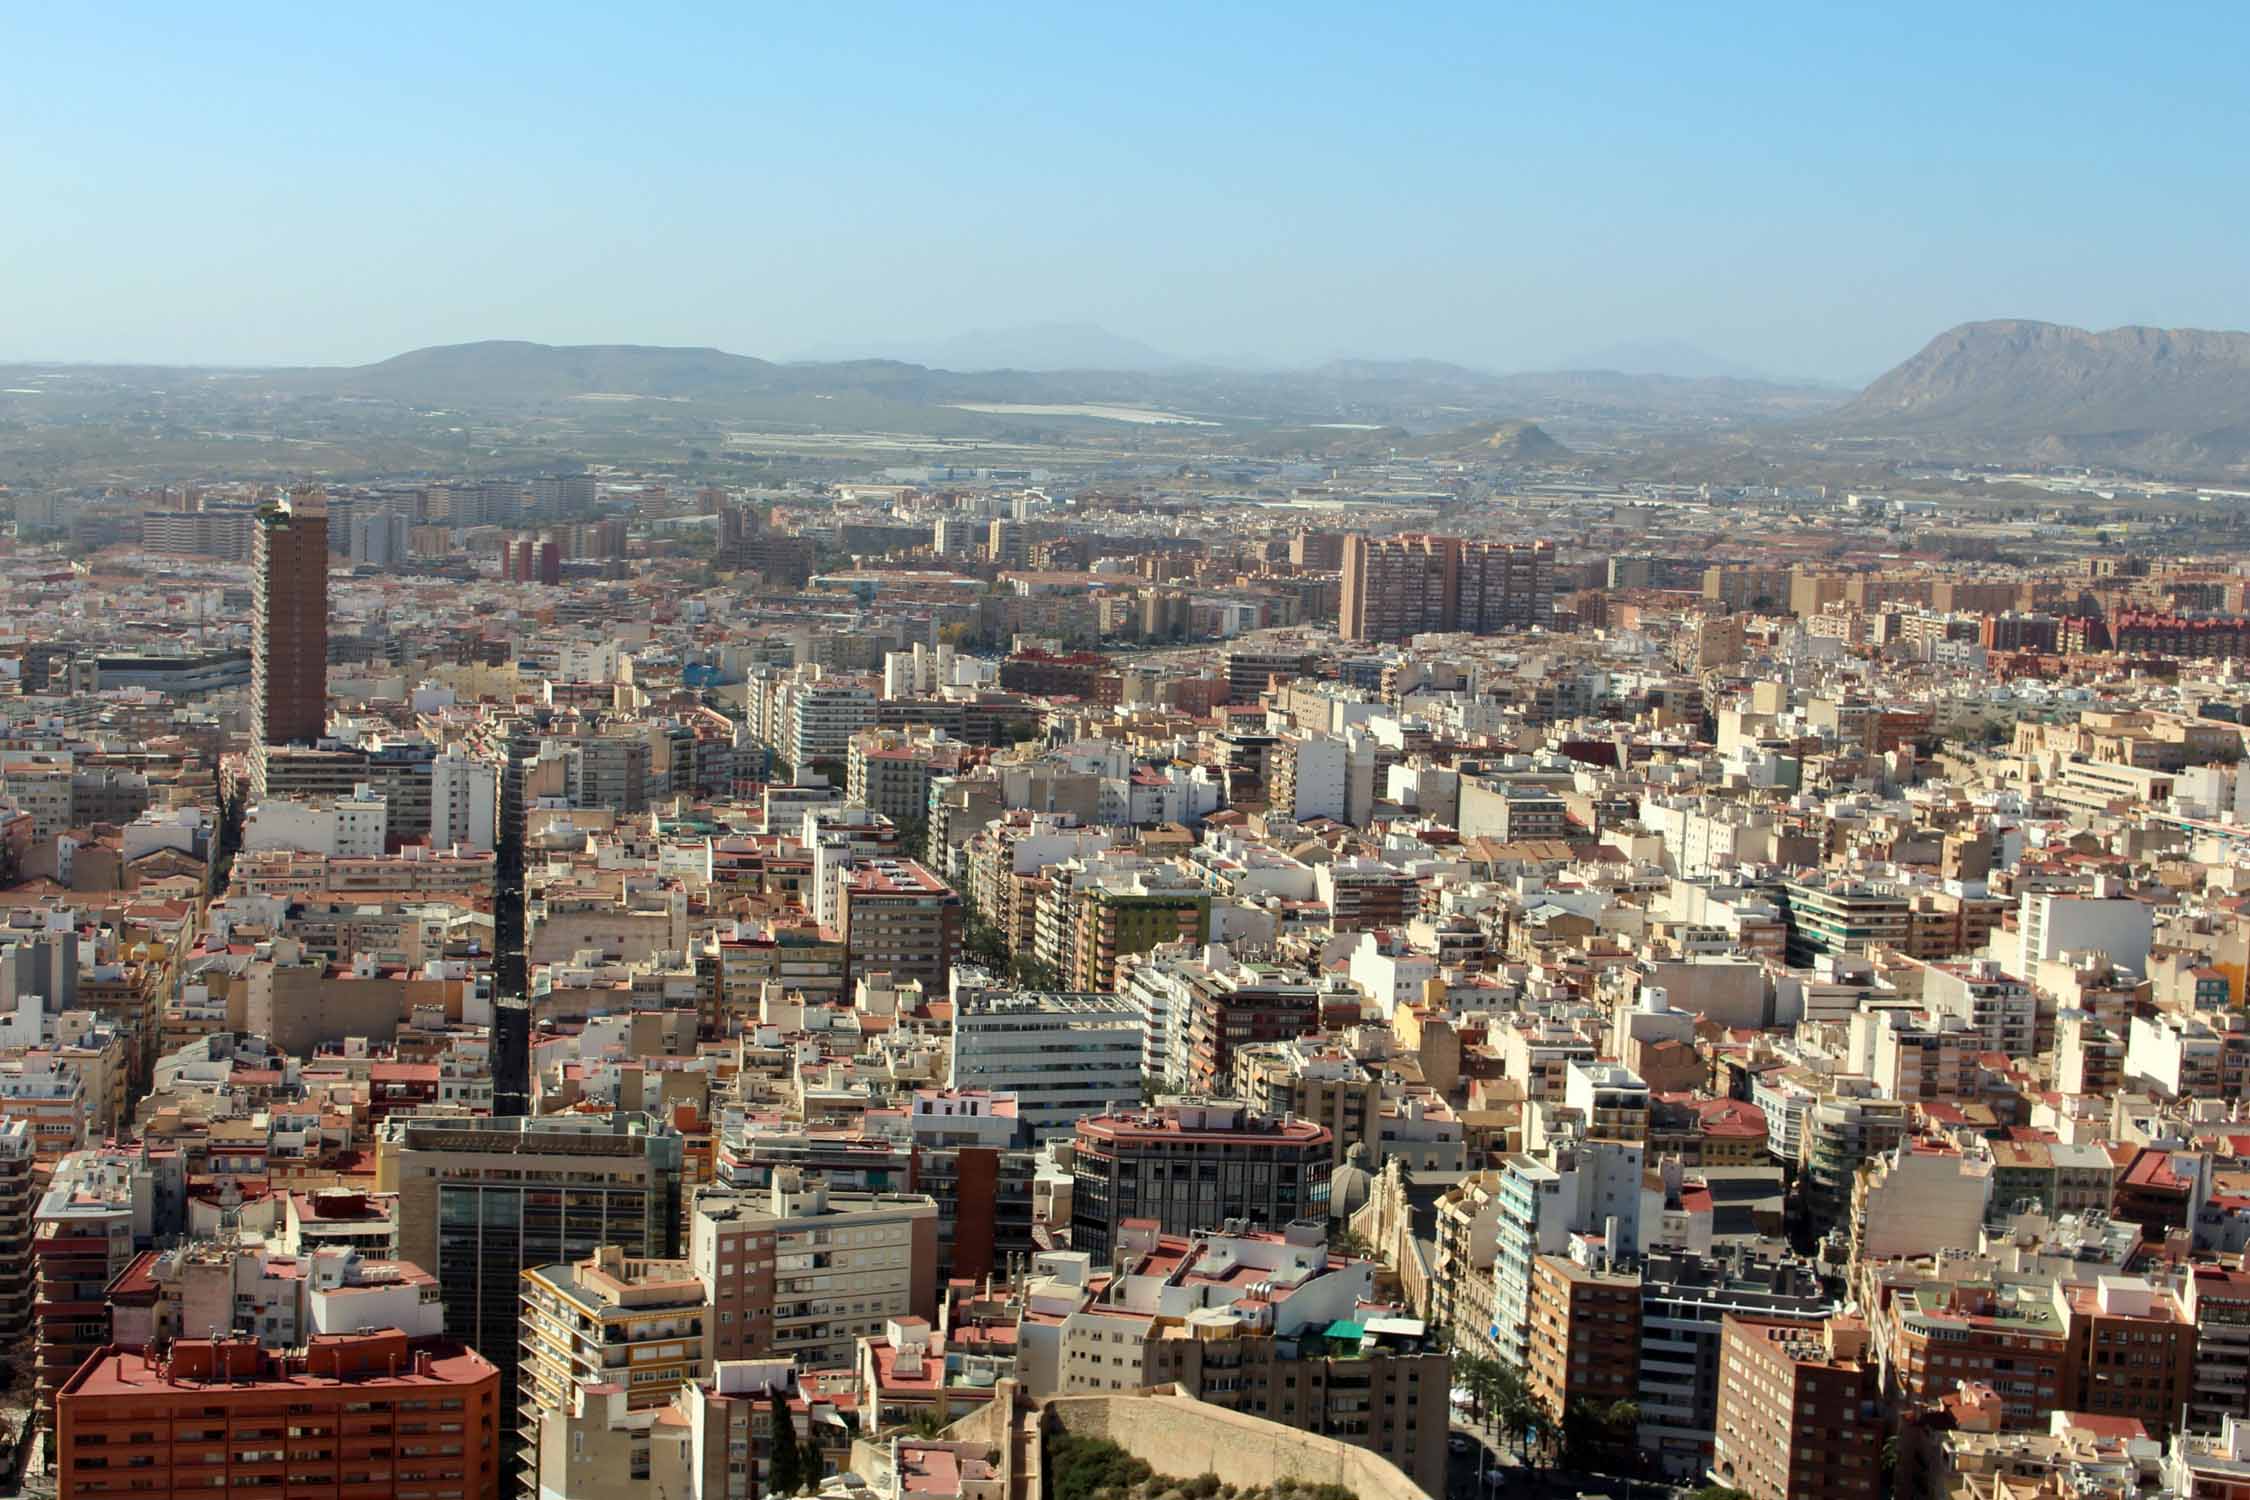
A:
<point x="1513" y="441"/>
<point x="2151" y="397"/>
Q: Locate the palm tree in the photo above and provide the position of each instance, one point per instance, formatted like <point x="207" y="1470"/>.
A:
<point x="1585" y="1432"/>
<point x="1624" y="1422"/>
<point x="1520" y="1415"/>
<point x="1478" y="1376"/>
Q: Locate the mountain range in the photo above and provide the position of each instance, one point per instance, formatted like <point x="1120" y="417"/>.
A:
<point x="1029" y="346"/>
<point x="2168" y="401"/>
<point x="1417" y="394"/>
<point x="2158" y="398"/>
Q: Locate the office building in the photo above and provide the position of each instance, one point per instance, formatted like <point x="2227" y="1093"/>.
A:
<point x="1063" y="1056"/>
<point x="1250" y="672"/>
<point x="481" y="1200"/>
<point x="1190" y="1164"/>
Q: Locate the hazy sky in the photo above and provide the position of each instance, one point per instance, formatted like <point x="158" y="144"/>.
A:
<point x="1806" y="188"/>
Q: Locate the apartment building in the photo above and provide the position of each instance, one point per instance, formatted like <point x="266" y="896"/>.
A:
<point x="1247" y="1005"/>
<point x="802" y="1270"/>
<point x="1299" y="1077"/>
<point x="1798" y="1410"/>
<point x="1116" y="919"/>
<point x="1685" y="1302"/>
<point x="1585" y="1334"/>
<point x="18" y="1162"/>
<point x="898" y="918"/>
<point x="608" y="1319"/>
<point x="373" y="1414"/>
<point x="1398" y="587"/>
<point x="99" y="1209"/>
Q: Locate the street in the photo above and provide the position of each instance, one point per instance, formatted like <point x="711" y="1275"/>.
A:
<point x="1481" y="1465"/>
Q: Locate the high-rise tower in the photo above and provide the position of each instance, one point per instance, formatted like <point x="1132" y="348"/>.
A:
<point x="289" y="624"/>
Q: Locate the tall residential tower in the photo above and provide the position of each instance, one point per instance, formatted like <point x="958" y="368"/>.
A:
<point x="289" y="624"/>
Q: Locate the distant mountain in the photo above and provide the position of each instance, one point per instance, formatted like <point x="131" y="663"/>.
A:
<point x="1517" y="441"/>
<point x="1663" y="357"/>
<point x="1436" y="371"/>
<point x="2152" y="397"/>
<point x="515" y="370"/>
<point x="617" y="387"/>
<point x="1033" y="347"/>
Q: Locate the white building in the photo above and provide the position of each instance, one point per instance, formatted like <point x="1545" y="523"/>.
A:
<point x="464" y="801"/>
<point x="1062" y="1055"/>
<point x="2000" y="1008"/>
<point x="1322" y="784"/>
<point x="351" y="827"/>
<point x="822" y="718"/>
<point x="1389" y="979"/>
<point x="2050" y="925"/>
<point x="1584" y="1189"/>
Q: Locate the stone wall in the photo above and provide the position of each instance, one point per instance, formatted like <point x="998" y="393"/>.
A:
<point x="1182" y="1437"/>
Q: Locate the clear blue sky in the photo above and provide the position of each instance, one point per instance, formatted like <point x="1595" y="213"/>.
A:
<point x="1806" y="188"/>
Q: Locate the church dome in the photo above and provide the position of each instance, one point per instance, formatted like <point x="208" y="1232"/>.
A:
<point x="1350" y="1185"/>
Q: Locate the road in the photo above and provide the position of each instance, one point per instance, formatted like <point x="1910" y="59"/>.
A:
<point x="1475" y="1452"/>
<point x="1481" y="1466"/>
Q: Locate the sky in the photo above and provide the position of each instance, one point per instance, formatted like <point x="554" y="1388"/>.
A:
<point x="1810" y="190"/>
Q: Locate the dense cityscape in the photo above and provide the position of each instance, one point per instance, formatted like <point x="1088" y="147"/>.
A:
<point x="1156" y="752"/>
<point x="1417" y="976"/>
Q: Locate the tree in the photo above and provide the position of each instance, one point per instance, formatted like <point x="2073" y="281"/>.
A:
<point x="1351" y="1243"/>
<point x="1585" y="1434"/>
<point x="1078" y="1468"/>
<point x="1520" y="1417"/>
<point x="1478" y="1376"/>
<point x="812" y="1464"/>
<point x="785" y="1470"/>
<point x="914" y="838"/>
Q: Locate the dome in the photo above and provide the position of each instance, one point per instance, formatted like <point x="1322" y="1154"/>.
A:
<point x="1350" y="1185"/>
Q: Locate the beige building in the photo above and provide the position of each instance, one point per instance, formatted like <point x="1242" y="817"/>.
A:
<point x="303" y="1006"/>
<point x="802" y="1271"/>
<point x="713" y="1439"/>
<point x="607" y="1320"/>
